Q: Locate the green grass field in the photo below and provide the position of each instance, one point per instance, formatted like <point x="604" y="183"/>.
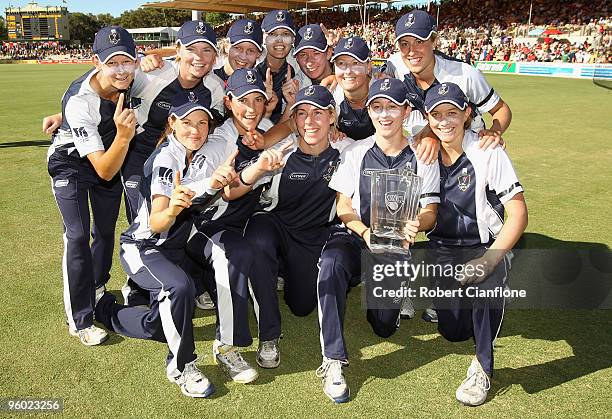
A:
<point x="548" y="363"/>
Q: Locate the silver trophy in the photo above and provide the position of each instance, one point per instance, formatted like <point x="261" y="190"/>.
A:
<point x="394" y="200"/>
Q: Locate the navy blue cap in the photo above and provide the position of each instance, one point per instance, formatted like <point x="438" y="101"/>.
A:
<point x="311" y="36"/>
<point x="417" y="23"/>
<point x="113" y="40"/>
<point x="445" y="93"/>
<point x="278" y="19"/>
<point x="393" y="89"/>
<point x="185" y="102"/>
<point x="315" y="95"/>
<point x="194" y="31"/>
<point x="246" y="30"/>
<point x="244" y="81"/>
<point x="354" y="46"/>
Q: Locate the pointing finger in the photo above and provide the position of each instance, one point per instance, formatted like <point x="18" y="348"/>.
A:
<point x="119" y="107"/>
<point x="232" y="158"/>
<point x="289" y="71"/>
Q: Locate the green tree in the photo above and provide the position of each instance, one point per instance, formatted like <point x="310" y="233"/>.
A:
<point x="216" y="19"/>
<point x="83" y="27"/>
<point x="148" y="17"/>
<point x="3" y="29"/>
<point x="106" y="19"/>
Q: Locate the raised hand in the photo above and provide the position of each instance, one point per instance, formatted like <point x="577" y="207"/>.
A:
<point x="272" y="159"/>
<point x="125" y="120"/>
<point x="290" y="87"/>
<point x="181" y="196"/>
<point x="273" y="99"/>
<point x="151" y="62"/>
<point x="490" y="139"/>
<point x="225" y="174"/>
<point x="254" y="139"/>
<point x="427" y="150"/>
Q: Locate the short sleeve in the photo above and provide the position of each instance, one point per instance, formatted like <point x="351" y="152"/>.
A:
<point x="83" y="128"/>
<point x="479" y="91"/>
<point x="162" y="180"/>
<point x="343" y="180"/>
<point x="501" y="177"/>
<point x="430" y="189"/>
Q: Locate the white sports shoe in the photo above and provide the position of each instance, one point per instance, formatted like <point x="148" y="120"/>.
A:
<point x="90" y="336"/>
<point x="268" y="354"/>
<point x="407" y="311"/>
<point x="192" y="382"/>
<point x="204" y="302"/>
<point x="334" y="384"/>
<point x="232" y="362"/>
<point x="280" y="284"/>
<point x="474" y="389"/>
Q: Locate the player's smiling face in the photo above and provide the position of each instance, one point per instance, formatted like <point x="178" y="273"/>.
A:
<point x="313" y="123"/>
<point x="119" y="71"/>
<point x="192" y="130"/>
<point x="196" y="60"/>
<point x="243" y="55"/>
<point x="279" y="42"/>
<point x="247" y="111"/>
<point x="315" y="64"/>
<point x="417" y="54"/>
<point x="351" y="73"/>
<point x="387" y="116"/>
<point x="446" y="121"/>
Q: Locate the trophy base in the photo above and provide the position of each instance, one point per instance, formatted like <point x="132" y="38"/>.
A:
<point x="393" y="245"/>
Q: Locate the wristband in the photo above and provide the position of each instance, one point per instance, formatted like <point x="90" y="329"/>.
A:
<point x="242" y="179"/>
<point x="363" y="232"/>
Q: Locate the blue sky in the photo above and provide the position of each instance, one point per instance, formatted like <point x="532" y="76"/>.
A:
<point x="114" y="7"/>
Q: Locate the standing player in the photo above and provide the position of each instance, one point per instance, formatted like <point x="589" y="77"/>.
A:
<point x="421" y="68"/>
<point x="476" y="187"/>
<point x="83" y="161"/>
<point x="339" y="266"/>
<point x="297" y="220"/>
<point x="153" y="247"/>
<point x="246" y="39"/>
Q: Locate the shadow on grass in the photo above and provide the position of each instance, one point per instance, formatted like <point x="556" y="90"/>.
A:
<point x="32" y="143"/>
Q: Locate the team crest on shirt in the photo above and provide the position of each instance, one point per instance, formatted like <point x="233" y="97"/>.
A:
<point x="331" y="169"/>
<point x="308" y="34"/>
<point x="192" y="97"/>
<point x="348" y="44"/>
<point x="463" y="181"/>
<point x="280" y="16"/>
<point x="250" y="77"/>
<point x="201" y="29"/>
<point x="443" y="89"/>
<point x="410" y="20"/>
<point x="113" y="37"/>
<point x="310" y="90"/>
<point x="248" y="28"/>
<point x="164" y="177"/>
<point x="394" y="201"/>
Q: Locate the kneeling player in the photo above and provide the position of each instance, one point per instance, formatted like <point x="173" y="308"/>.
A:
<point x="339" y="266"/>
<point x="476" y="187"/>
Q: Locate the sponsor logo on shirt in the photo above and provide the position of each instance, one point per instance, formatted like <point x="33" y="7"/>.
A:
<point x="247" y="163"/>
<point x="60" y="183"/>
<point x="299" y="176"/>
<point x="80" y="132"/>
<point x="164" y="177"/>
<point x="164" y="105"/>
<point x="132" y="184"/>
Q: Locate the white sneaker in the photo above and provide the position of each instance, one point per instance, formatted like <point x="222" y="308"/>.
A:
<point x="407" y="311"/>
<point x="268" y="354"/>
<point x="90" y="336"/>
<point x="280" y="284"/>
<point x="334" y="384"/>
<point x="474" y="389"/>
<point x="204" y="302"/>
<point x="192" y="382"/>
<point x="232" y="362"/>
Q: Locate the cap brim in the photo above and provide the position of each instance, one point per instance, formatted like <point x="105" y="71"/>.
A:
<point x="259" y="47"/>
<point x="351" y="54"/>
<point x="273" y="28"/>
<point x="247" y="92"/>
<point x="183" y="113"/>
<point x="109" y="53"/>
<point x="190" y="41"/>
<point x="382" y="95"/>
<point x="441" y="101"/>
<point x="310" y="102"/>
<point x="419" y="35"/>
<point x="302" y="47"/>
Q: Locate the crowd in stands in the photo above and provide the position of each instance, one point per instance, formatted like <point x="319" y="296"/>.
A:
<point x="50" y="50"/>
<point x="471" y="30"/>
